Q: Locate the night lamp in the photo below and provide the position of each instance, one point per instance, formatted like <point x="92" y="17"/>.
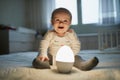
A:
<point x="64" y="59"/>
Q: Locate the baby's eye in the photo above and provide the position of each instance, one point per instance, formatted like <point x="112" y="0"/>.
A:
<point x="57" y="20"/>
<point x="65" y="21"/>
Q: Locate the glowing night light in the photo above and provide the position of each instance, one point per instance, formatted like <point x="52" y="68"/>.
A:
<point x="64" y="59"/>
<point x="65" y="54"/>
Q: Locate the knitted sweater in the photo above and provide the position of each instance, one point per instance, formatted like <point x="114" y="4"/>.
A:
<point x="51" y="42"/>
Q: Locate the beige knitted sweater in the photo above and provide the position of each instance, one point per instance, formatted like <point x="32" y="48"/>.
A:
<point x="51" y="42"/>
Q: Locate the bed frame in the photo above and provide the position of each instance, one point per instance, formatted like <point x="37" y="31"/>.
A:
<point x="109" y="39"/>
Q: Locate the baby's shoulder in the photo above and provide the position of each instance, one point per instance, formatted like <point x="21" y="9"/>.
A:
<point x="71" y="31"/>
<point x="50" y="33"/>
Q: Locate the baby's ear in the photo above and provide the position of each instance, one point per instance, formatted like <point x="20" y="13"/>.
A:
<point x="70" y="30"/>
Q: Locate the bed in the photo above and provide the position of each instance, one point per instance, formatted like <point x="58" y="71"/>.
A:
<point x="17" y="66"/>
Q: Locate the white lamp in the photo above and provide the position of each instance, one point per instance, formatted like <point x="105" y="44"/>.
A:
<point x="64" y="59"/>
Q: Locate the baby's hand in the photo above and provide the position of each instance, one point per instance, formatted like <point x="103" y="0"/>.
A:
<point x="43" y="58"/>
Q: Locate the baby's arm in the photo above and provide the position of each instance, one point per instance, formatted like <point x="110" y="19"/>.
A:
<point x="43" y="57"/>
<point x="44" y="44"/>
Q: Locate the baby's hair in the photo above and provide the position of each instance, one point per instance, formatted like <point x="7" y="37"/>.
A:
<point x="58" y="10"/>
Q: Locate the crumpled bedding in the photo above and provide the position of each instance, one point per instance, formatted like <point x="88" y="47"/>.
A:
<point x="18" y="67"/>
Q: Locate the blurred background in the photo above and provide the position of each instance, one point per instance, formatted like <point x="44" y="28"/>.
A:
<point x="24" y="22"/>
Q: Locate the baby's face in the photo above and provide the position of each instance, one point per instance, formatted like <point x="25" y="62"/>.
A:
<point x="61" y="22"/>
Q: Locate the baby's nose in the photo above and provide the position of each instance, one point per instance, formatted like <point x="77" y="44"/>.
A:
<point x="61" y="22"/>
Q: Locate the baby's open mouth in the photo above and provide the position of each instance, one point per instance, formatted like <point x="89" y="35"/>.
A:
<point x="60" y="27"/>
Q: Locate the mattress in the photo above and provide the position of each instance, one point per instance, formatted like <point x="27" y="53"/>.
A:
<point x="18" y="66"/>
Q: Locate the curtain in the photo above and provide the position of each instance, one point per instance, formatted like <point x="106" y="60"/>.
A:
<point x="109" y="11"/>
<point x="38" y="14"/>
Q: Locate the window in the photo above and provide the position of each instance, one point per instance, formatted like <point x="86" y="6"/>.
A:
<point x="90" y="13"/>
<point x="71" y="5"/>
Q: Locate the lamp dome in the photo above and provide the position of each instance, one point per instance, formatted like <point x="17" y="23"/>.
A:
<point x="65" y="54"/>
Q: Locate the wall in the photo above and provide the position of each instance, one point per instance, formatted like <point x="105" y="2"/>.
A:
<point x="12" y="12"/>
<point x="33" y="14"/>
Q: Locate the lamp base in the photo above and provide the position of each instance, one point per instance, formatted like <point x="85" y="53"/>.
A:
<point x="64" y="67"/>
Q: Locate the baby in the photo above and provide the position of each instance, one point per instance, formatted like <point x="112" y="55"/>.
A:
<point x="61" y="35"/>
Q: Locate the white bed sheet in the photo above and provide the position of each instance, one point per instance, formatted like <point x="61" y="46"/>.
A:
<point x="18" y="66"/>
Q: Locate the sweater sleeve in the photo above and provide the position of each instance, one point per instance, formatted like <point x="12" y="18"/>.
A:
<point x="44" y="44"/>
<point x="75" y="43"/>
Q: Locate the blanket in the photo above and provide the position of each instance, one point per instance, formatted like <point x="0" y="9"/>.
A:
<point x="18" y="66"/>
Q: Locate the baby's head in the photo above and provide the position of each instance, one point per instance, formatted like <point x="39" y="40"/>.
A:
<point x="61" y="10"/>
<point x="61" y="20"/>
